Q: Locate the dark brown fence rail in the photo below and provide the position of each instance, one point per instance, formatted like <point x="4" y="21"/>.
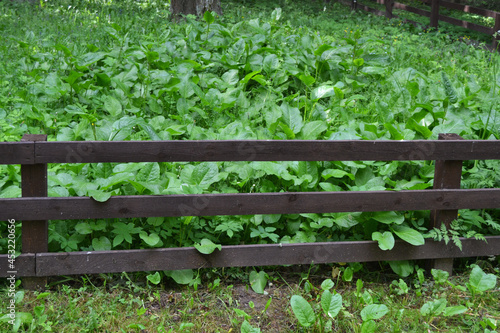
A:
<point x="435" y="17"/>
<point x="35" y="208"/>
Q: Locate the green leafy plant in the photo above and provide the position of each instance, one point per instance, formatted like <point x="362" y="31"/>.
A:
<point x="329" y="306"/>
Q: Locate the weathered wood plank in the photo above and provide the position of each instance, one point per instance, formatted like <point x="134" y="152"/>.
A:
<point x="24" y="265"/>
<point x="252" y="255"/>
<point x="246" y="204"/>
<point x="17" y="153"/>
<point x="258" y="150"/>
<point x="465" y="24"/>
<point x="35" y="231"/>
<point x="447" y="175"/>
<point x="398" y="5"/>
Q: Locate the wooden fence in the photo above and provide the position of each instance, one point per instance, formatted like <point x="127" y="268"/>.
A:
<point x="34" y="208"/>
<point x="434" y="15"/>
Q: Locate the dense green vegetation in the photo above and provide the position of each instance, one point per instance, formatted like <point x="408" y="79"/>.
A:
<point x="103" y="70"/>
<point x="367" y="303"/>
<point x="124" y="72"/>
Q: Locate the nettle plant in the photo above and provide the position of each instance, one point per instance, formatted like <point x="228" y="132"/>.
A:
<point x="257" y="78"/>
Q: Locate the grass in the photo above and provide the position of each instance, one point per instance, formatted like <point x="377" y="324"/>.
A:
<point x="113" y="303"/>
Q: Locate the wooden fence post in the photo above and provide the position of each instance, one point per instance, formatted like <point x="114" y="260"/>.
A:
<point x="388" y="8"/>
<point x="354" y="4"/>
<point x="447" y="175"/>
<point x="34" y="234"/>
<point x="435" y="13"/>
<point x="496" y="30"/>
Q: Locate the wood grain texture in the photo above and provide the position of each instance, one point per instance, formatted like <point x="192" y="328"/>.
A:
<point x="93" y="262"/>
<point x="24" y="265"/>
<point x="17" y="153"/>
<point x="35" y="231"/>
<point x="447" y="175"/>
<point x="258" y="150"/>
<point x="246" y="203"/>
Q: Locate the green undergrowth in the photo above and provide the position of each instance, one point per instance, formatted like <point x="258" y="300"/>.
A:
<point x="315" y="299"/>
<point x="277" y="70"/>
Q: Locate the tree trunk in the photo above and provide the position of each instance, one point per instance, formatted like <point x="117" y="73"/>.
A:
<point x="194" y="7"/>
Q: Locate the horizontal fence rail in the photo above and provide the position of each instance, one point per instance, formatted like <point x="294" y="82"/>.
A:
<point x="35" y="208"/>
<point x="117" y="261"/>
<point x="73" y="208"/>
<point x="252" y="150"/>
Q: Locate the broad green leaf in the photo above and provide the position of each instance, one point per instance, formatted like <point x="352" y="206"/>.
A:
<point x="409" y="235"/>
<point x="101" y="244"/>
<point x="231" y="77"/>
<point x="113" y="106"/>
<point x="322" y="92"/>
<point x="335" y="173"/>
<point x="313" y="129"/>
<point x="331" y="303"/>
<point x="155" y="221"/>
<point x="21" y="319"/>
<point x="346" y="220"/>
<point x="206" y="246"/>
<point x="289" y="133"/>
<point x="247" y="328"/>
<point x="291" y="117"/>
<point x="83" y="228"/>
<point x="151" y="239"/>
<point x="182" y="276"/>
<point x="481" y="281"/>
<point x="102" y="79"/>
<point x="454" y="310"/>
<point x="99" y="195"/>
<point x="358" y="62"/>
<point x="258" y="281"/>
<point x="307" y="79"/>
<point x="302" y="310"/>
<point x="154" y="278"/>
<point x="204" y="174"/>
<point x="368" y="327"/>
<point x="12" y="191"/>
<point x="385" y="240"/>
<point x="90" y="58"/>
<point x="208" y="17"/>
<point x="374" y="311"/>
<point x="19" y="296"/>
<point x="402" y="268"/>
<point x="124" y="231"/>
<point x="38" y="310"/>
<point x="249" y="76"/>
<point x="327" y="284"/>
<point x="276" y="14"/>
<point x="388" y="217"/>
<point x="348" y="274"/>
<point x="149" y="173"/>
<point x="373" y="70"/>
<point x="73" y="76"/>
<point x="271" y="63"/>
<point x="440" y="276"/>
<point x="433" y="308"/>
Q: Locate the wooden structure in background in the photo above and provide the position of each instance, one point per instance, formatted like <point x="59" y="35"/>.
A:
<point x="434" y="15"/>
<point x="35" y="208"/>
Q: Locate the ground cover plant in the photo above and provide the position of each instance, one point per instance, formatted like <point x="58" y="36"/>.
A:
<point x="310" y="299"/>
<point x="265" y="70"/>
